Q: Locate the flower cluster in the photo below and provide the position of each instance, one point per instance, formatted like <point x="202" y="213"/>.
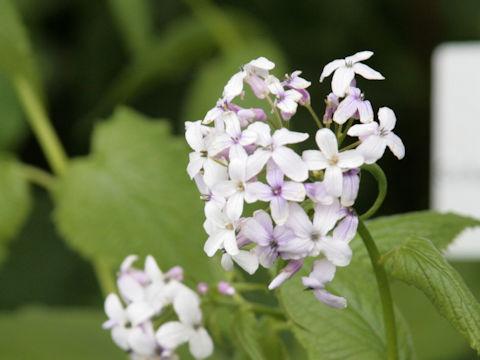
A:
<point x="147" y="295"/>
<point x="243" y="155"/>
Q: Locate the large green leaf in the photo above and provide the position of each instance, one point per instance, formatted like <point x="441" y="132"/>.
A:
<point x="391" y="231"/>
<point x="14" y="199"/>
<point x="356" y="332"/>
<point x="16" y="58"/>
<point x="132" y="195"/>
<point x="419" y="263"/>
<point x="47" y="333"/>
<point x="247" y="334"/>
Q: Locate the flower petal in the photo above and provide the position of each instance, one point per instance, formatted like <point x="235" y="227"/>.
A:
<point x="227" y="262"/>
<point x="274" y="175"/>
<point x="290" y="163"/>
<point x="396" y="145"/>
<point x="279" y="208"/>
<point x="341" y="80"/>
<point x="299" y="221"/>
<point x="336" y="251"/>
<point x="234" y="86"/>
<point x="346" y="109"/>
<point x="350" y="159"/>
<point x="329" y="299"/>
<point x="331" y="67"/>
<point x="327" y="142"/>
<point x="172" y="334"/>
<point x="367" y="72"/>
<point x="387" y="118"/>
<point x="201" y="344"/>
<point x="293" y="191"/>
<point x="359" y="56"/>
<point x="372" y="148"/>
<point x="187" y="307"/>
<point x="247" y="261"/>
<point x="314" y="159"/>
<point x="284" y="136"/>
<point x="333" y="181"/>
<point x="114" y="309"/>
<point x="365" y="111"/>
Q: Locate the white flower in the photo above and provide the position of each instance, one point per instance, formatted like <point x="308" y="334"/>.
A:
<point x="245" y="259"/>
<point x="332" y="161"/>
<point x="174" y="333"/>
<point x="221" y="230"/>
<point x="273" y="147"/>
<point x="375" y="138"/>
<point x="345" y="70"/>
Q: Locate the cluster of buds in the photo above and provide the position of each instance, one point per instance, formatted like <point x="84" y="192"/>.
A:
<point x="148" y="295"/>
<point x="242" y="155"/>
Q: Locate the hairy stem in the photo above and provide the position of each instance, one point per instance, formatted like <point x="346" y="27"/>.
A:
<point x="383" y="289"/>
<point x="314" y="115"/>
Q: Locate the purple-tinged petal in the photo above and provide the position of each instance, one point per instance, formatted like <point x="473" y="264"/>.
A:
<point x="260" y="191"/>
<point x="266" y="256"/>
<point x="290" y="163"/>
<point x="346" y="229"/>
<point x="346" y="109"/>
<point x="318" y="193"/>
<point x="286" y="273"/>
<point x="255" y="231"/>
<point x="274" y="175"/>
<point x="322" y="273"/>
<point x="295" y="248"/>
<point x="329" y="299"/>
<point x="351" y="183"/>
<point x="365" y="111"/>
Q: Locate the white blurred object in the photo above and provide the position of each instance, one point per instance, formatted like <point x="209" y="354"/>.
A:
<point x="455" y="175"/>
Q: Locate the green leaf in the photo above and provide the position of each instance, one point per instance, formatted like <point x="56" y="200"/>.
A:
<point x="14" y="200"/>
<point x="48" y="333"/>
<point x="16" y="57"/>
<point x="135" y="22"/>
<point x="391" y="231"/>
<point x="13" y="126"/>
<point x="214" y="75"/>
<point x="247" y="334"/>
<point x="133" y="195"/>
<point x="356" y="332"/>
<point x="419" y="263"/>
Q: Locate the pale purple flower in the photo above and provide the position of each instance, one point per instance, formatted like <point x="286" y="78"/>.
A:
<point x="313" y="235"/>
<point x="278" y="193"/>
<point x="260" y="230"/>
<point x="294" y="81"/>
<point x="252" y="73"/>
<point x="354" y="106"/>
<point x="347" y="227"/>
<point x="286" y="273"/>
<point x="225" y="288"/>
<point x="285" y="100"/>
<point x="331" y="103"/>
<point x="202" y="288"/>
<point x="274" y="147"/>
<point x="351" y="183"/>
<point x="322" y="273"/>
<point x="376" y="137"/>
<point x="345" y="70"/>
<point x="318" y="193"/>
<point x="332" y="161"/>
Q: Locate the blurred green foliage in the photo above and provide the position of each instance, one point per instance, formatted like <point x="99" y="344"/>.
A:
<point x="170" y="59"/>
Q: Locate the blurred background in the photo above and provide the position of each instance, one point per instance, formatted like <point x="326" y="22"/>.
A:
<point x="170" y="59"/>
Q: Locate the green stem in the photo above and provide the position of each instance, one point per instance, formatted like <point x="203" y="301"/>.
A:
<point x="275" y="111"/>
<point x="258" y="308"/>
<point x="384" y="290"/>
<point x="39" y="177"/>
<point x="379" y="175"/>
<point x="41" y="125"/>
<point x="104" y="276"/>
<point x="344" y="134"/>
<point x="314" y="115"/>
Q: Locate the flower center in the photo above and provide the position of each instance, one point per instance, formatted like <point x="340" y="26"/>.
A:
<point x="229" y="227"/>
<point x="240" y="186"/>
<point x="204" y="153"/>
<point x="277" y="191"/>
<point x="333" y="160"/>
